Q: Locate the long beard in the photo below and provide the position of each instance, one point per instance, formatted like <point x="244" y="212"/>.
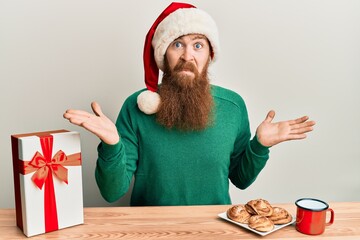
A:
<point x="186" y="101"/>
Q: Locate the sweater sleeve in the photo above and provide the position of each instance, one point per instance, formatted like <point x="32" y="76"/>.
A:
<point x="116" y="163"/>
<point x="249" y="156"/>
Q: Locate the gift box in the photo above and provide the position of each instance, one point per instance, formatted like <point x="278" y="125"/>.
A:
<point x="47" y="181"/>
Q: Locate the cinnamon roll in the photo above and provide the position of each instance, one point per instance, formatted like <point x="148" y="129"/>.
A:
<point x="238" y="213"/>
<point x="280" y="216"/>
<point x="260" y="223"/>
<point x="259" y="207"/>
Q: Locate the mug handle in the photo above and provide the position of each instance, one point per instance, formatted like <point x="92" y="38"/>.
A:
<point x="332" y="214"/>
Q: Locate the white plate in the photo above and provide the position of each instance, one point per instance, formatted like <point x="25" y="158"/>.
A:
<point x="276" y="227"/>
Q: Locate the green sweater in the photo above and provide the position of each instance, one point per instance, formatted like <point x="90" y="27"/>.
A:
<point x="173" y="167"/>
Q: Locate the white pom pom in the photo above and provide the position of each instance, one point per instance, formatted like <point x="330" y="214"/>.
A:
<point x="148" y="102"/>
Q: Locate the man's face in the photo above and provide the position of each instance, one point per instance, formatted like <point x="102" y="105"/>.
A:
<point x="186" y="100"/>
<point x="193" y="51"/>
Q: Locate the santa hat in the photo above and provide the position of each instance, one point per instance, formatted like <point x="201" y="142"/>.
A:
<point x="176" y="20"/>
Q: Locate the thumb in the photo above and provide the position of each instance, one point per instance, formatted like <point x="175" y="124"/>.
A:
<point x="96" y="109"/>
<point x="270" y="116"/>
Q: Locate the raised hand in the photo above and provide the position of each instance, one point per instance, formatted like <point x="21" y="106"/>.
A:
<point x="270" y="134"/>
<point x="97" y="123"/>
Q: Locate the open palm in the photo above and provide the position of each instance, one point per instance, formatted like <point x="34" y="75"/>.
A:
<point x="270" y="134"/>
<point x="96" y="123"/>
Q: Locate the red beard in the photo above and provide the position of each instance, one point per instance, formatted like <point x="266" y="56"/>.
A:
<point x="186" y="101"/>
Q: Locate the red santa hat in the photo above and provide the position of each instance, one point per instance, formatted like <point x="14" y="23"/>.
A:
<point x="176" y="20"/>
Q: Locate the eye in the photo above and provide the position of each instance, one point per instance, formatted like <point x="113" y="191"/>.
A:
<point x="198" y="45"/>
<point x="177" y="44"/>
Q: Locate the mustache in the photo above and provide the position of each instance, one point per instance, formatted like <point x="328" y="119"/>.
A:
<point x="187" y="66"/>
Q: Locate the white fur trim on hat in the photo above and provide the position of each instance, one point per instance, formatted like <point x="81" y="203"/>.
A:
<point x="182" y="22"/>
<point x="148" y="102"/>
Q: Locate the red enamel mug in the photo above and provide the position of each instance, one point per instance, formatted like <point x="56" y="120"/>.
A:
<point x="311" y="216"/>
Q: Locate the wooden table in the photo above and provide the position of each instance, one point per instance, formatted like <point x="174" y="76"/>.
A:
<point x="184" y="222"/>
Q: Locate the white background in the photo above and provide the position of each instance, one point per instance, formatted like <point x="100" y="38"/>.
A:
<point x="296" y="57"/>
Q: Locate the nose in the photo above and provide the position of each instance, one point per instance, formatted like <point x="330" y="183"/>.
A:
<point x="187" y="54"/>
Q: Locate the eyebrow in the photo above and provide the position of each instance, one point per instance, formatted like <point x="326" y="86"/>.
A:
<point x="197" y="36"/>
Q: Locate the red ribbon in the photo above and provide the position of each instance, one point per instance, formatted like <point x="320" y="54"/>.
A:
<point x="45" y="166"/>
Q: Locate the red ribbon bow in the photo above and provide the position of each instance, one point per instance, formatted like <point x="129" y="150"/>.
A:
<point x="46" y="166"/>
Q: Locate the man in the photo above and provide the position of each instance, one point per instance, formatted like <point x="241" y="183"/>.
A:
<point x="182" y="140"/>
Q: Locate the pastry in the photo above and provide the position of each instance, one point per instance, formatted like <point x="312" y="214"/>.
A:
<point x="259" y="207"/>
<point x="238" y="213"/>
<point x="280" y="216"/>
<point x="260" y="223"/>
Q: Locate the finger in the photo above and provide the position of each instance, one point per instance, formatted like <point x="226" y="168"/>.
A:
<point x="297" y="136"/>
<point x="294" y="123"/>
<point x="96" y="109"/>
<point x="270" y="116"/>
<point x="73" y="112"/>
<point x="66" y="115"/>
<point x="301" y="130"/>
<point x="311" y="123"/>
<point x="300" y="120"/>
<point x="303" y="125"/>
<point x="78" y="120"/>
